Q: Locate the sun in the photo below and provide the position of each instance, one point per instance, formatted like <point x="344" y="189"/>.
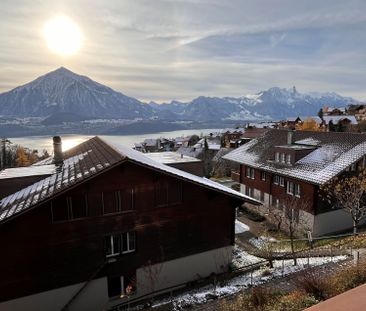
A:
<point x="62" y="35"/>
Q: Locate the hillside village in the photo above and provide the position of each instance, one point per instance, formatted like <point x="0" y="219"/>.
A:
<point x="114" y="226"/>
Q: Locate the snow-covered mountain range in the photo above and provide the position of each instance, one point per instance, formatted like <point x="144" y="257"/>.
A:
<point x="64" y="94"/>
<point x="275" y="103"/>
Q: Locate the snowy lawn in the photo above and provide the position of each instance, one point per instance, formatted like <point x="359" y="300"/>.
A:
<point x="241" y="282"/>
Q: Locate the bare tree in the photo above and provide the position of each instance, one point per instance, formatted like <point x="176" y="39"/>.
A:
<point x="348" y="193"/>
<point x="267" y="248"/>
<point x="292" y="206"/>
<point x="286" y="215"/>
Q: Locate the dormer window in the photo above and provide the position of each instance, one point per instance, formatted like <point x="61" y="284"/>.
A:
<point x="288" y="158"/>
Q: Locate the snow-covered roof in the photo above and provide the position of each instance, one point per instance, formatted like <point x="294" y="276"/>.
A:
<point x="87" y="160"/>
<point x="332" y="154"/>
<point x="26" y="171"/>
<point x="336" y="119"/>
<point x="170" y="157"/>
<point x="150" y="142"/>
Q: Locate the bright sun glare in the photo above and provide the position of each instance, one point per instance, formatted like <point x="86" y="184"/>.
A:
<point x="63" y="36"/>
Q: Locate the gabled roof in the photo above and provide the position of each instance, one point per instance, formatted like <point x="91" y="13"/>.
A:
<point x="87" y="160"/>
<point x="336" y="119"/>
<point x="332" y="154"/>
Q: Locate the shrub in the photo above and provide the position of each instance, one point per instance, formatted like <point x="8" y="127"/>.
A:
<point x="314" y="285"/>
<point x="295" y="301"/>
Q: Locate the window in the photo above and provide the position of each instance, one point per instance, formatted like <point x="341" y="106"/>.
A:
<point x="290" y="187"/>
<point x="282" y="181"/>
<point x="288" y="158"/>
<point x="249" y="192"/>
<point x="128" y="242"/>
<point x="283" y="157"/>
<point x="263" y="176"/>
<point x="168" y="193"/>
<point x="293" y="189"/>
<point x="112" y="245"/>
<point x="261" y="196"/>
<point x="117" y="201"/>
<point x="250" y="172"/>
<point x="276" y="179"/>
<point x="111" y="202"/>
<point x="117" y="244"/>
<point x="297" y="190"/>
<point x="277" y="156"/>
<point x="118" y="286"/>
<point x="69" y="208"/>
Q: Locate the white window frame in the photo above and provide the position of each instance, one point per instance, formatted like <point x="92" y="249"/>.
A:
<point x="283" y="157"/>
<point x="288" y="158"/>
<point x="281" y="181"/>
<point x="297" y="190"/>
<point x="276" y="180"/>
<point x="250" y="172"/>
<point x="263" y="176"/>
<point x="128" y="242"/>
<point x="290" y="188"/>
<point x="277" y="157"/>
<point x="112" y="246"/>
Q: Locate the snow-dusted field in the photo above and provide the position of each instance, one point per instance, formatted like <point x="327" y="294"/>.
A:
<point x="241" y="282"/>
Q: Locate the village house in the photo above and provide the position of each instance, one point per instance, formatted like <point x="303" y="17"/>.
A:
<point x="334" y="111"/>
<point x="178" y="160"/>
<point x="99" y="225"/>
<point x="284" y="164"/>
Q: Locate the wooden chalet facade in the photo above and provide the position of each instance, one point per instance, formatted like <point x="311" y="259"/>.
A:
<point x="110" y="224"/>
<point x="283" y="165"/>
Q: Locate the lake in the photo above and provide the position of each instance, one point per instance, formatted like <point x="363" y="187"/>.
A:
<point x="68" y="141"/>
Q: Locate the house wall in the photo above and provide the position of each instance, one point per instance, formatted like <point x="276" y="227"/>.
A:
<point x="157" y="277"/>
<point x="308" y="191"/>
<point x="42" y="255"/>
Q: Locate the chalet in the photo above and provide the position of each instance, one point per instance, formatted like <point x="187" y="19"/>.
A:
<point x="345" y="123"/>
<point x="334" y="111"/>
<point x="101" y="225"/>
<point x="282" y="164"/>
<point x="359" y="111"/>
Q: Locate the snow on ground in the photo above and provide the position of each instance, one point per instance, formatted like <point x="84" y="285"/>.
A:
<point x="236" y="284"/>
<point x="261" y="241"/>
<point x="243" y="259"/>
<point x="240" y="227"/>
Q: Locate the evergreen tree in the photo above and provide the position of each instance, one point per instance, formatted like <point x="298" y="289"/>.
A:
<point x="331" y="126"/>
<point x="320" y="114"/>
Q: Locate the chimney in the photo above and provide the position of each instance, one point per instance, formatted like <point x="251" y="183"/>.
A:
<point x="290" y="134"/>
<point x="57" y="150"/>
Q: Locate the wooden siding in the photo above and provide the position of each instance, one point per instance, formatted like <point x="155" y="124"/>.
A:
<point x="39" y="254"/>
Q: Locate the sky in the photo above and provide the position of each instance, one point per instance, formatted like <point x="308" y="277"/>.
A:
<point x="165" y="50"/>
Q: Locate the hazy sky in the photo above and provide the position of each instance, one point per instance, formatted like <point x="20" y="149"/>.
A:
<point x="164" y="49"/>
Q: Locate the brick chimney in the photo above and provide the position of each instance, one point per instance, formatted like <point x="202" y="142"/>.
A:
<point x="57" y="150"/>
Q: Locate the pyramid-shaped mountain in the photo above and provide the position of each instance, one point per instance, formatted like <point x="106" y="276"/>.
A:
<point x="62" y="91"/>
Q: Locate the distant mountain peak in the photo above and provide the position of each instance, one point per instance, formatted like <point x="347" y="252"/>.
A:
<point x="63" y="91"/>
